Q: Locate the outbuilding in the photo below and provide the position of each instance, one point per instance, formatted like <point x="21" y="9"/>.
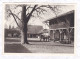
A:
<point x="62" y="27"/>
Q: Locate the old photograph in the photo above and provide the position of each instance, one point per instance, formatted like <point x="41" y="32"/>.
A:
<point x="39" y="28"/>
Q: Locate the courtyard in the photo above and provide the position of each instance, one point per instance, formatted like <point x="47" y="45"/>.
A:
<point x="13" y="45"/>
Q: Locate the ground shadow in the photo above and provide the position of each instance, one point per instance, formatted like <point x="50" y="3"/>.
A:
<point x="15" y="48"/>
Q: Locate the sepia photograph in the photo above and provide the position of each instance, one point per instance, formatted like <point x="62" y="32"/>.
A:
<point x="39" y="28"/>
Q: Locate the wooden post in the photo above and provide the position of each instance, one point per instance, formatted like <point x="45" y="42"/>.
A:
<point x="60" y="30"/>
<point x="69" y="41"/>
<point x="53" y="34"/>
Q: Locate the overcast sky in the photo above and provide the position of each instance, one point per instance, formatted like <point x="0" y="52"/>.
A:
<point x="39" y="21"/>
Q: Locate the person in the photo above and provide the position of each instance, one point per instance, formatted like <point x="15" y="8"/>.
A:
<point x="41" y="37"/>
<point x="65" y="37"/>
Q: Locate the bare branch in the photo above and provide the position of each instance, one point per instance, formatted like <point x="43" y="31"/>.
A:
<point x="14" y="17"/>
<point x="55" y="9"/>
<point x="27" y="14"/>
<point x="17" y="17"/>
<point x="40" y="9"/>
<point x="32" y="15"/>
<point x="28" y="7"/>
<point x="19" y="12"/>
<point x="41" y="6"/>
<point x="28" y="17"/>
<point x="18" y="6"/>
<point x="16" y="21"/>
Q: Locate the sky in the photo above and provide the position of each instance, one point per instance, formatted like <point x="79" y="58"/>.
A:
<point x="36" y="20"/>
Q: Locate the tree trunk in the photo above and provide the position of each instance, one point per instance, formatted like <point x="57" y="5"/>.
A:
<point x="25" y="20"/>
<point x="24" y="34"/>
<point x="24" y="26"/>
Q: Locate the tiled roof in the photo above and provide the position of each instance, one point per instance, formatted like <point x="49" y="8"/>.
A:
<point x="44" y="31"/>
<point x="34" y="29"/>
<point x="70" y="12"/>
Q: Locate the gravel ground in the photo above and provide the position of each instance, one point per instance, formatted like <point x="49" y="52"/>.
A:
<point x="15" y="48"/>
<point x="49" y="47"/>
<point x="35" y="46"/>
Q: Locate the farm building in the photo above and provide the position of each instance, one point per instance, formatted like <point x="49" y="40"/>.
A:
<point x="62" y="27"/>
<point x="33" y="31"/>
<point x="12" y="32"/>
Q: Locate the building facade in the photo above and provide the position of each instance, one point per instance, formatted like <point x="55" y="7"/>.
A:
<point x="62" y="27"/>
<point x="33" y="31"/>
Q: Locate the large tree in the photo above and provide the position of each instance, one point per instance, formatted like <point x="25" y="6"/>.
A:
<point x="28" y="11"/>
